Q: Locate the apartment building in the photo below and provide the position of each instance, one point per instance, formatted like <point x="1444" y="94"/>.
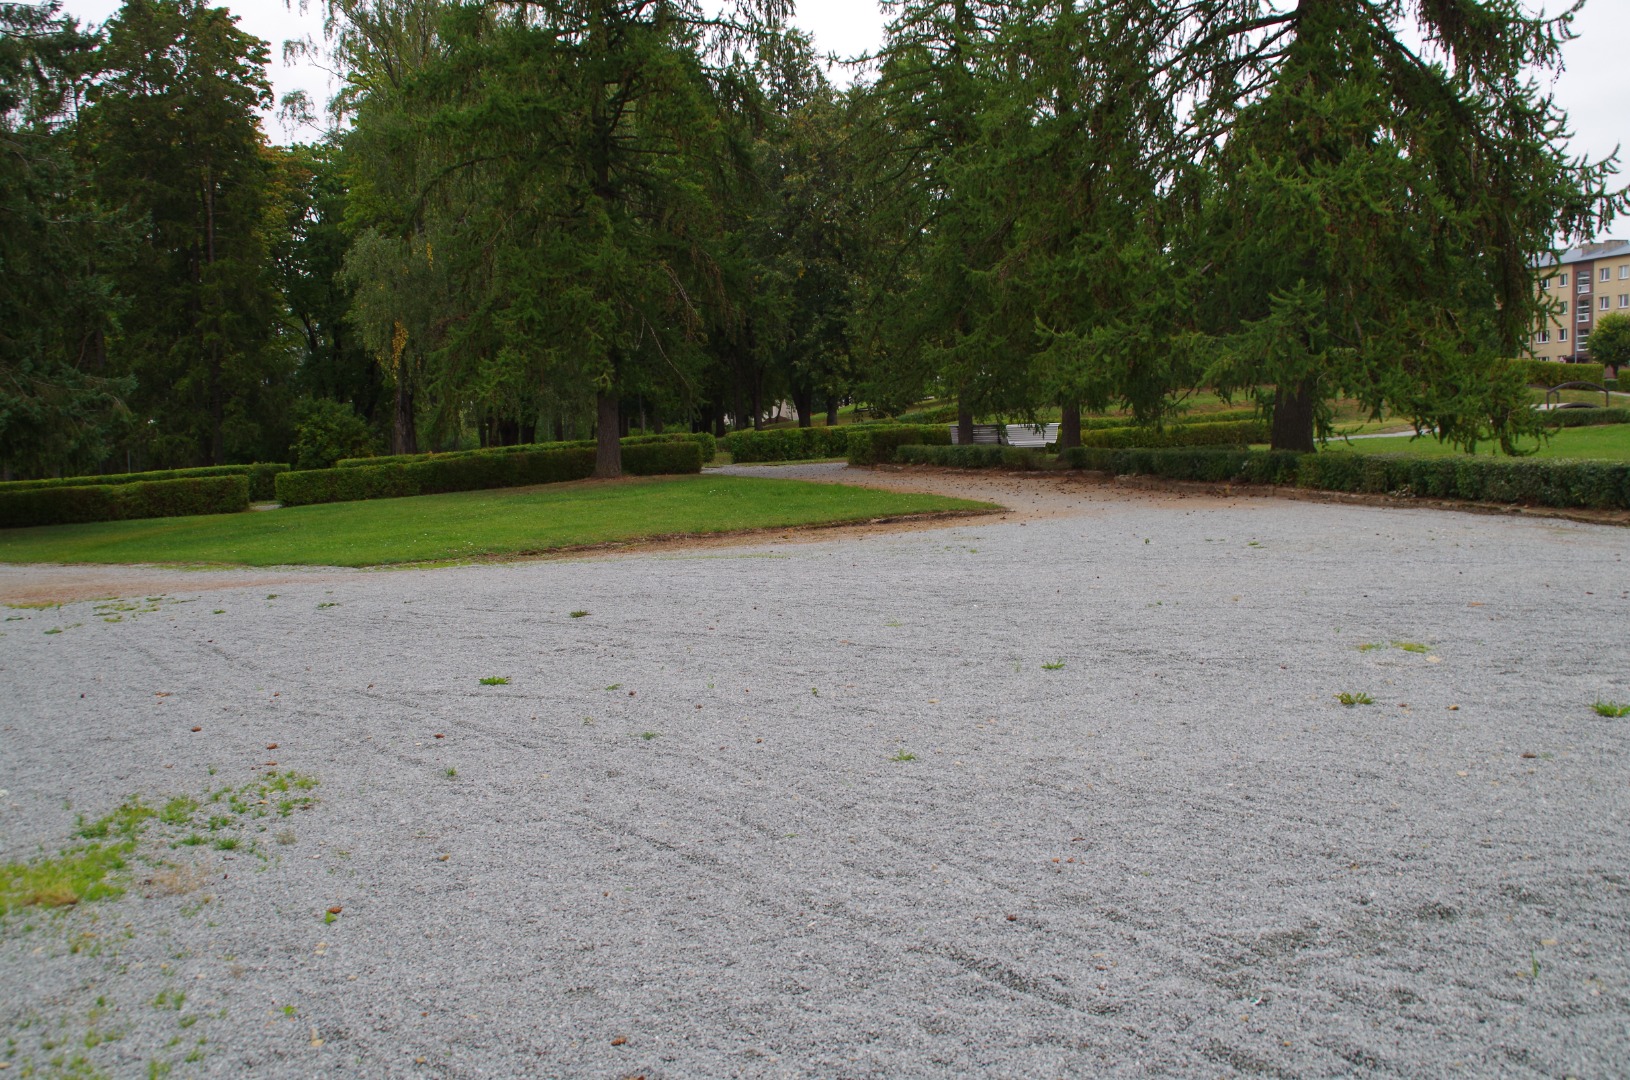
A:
<point x="1582" y="284"/>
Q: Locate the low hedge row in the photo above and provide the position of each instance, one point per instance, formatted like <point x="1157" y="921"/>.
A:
<point x="1223" y="433"/>
<point x="75" y="503"/>
<point x="1601" y="485"/>
<point x="704" y="441"/>
<point x="787" y="444"/>
<point x="262" y="478"/>
<point x="468" y="472"/>
<point x="1552" y="372"/>
<point x="877" y="445"/>
<point x="1586" y="417"/>
<point x="968" y="457"/>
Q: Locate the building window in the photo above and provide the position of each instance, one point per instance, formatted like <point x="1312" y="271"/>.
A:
<point x="1562" y="334"/>
<point x="1624" y="299"/>
<point x="1545" y="284"/>
<point x="1604" y="303"/>
<point x="1564" y="307"/>
<point x="1624" y="272"/>
<point x="1543" y="337"/>
<point x="1583" y="316"/>
<point x="1562" y="280"/>
<point x="1584" y="284"/>
<point x="1607" y="273"/>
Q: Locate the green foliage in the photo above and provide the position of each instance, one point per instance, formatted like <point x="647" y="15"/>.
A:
<point x="1549" y="373"/>
<point x="1571" y="418"/>
<point x="1225" y="433"/>
<point x="876" y="445"/>
<point x="1613" y="710"/>
<point x="705" y="443"/>
<point x="969" y="457"/>
<point x="787" y="444"/>
<point x="124" y="502"/>
<point x="476" y="471"/>
<point x="1562" y="483"/>
<point x="261" y="478"/>
<point x="326" y="431"/>
<point x="59" y="410"/>
<point x="1610" y="342"/>
<point x="1350" y="699"/>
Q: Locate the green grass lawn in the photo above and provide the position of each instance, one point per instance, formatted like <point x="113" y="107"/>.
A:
<point x="432" y="528"/>
<point x="1610" y="442"/>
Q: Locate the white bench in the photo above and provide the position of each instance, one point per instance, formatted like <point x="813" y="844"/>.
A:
<point x="1031" y="436"/>
<point x="984" y="435"/>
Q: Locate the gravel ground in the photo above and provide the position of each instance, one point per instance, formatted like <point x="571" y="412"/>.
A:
<point x="852" y="805"/>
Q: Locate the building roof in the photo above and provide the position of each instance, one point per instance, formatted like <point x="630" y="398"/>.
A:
<point x="1606" y="249"/>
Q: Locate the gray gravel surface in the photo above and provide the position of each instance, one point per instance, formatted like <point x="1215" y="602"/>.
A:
<point x="833" y="808"/>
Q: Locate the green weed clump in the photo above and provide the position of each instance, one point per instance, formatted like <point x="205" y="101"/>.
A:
<point x="1350" y="699"/>
<point x="1611" y="709"/>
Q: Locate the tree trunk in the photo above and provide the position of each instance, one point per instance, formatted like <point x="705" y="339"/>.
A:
<point x="1069" y="426"/>
<point x="964" y="424"/>
<point x="656" y="422"/>
<point x="758" y="402"/>
<point x="719" y="428"/>
<point x="560" y="428"/>
<point x="832" y="412"/>
<point x="1292" y="425"/>
<point x="805" y="404"/>
<point x="404" y="439"/>
<point x="608" y="451"/>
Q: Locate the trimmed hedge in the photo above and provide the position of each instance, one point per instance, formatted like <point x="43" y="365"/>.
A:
<point x="876" y="446"/>
<point x="75" y="503"/>
<point x="474" y="472"/>
<point x="787" y="444"/>
<point x="1223" y="433"/>
<point x="704" y="441"/>
<point x="1586" y="417"/>
<point x="262" y="479"/>
<point x="969" y="457"/>
<point x="1601" y="485"/>
<point x="1550" y="373"/>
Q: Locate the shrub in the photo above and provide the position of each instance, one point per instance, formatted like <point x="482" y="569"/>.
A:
<point x="704" y="441"/>
<point x="787" y="444"/>
<point x="1206" y="464"/>
<point x="327" y="430"/>
<point x="876" y="445"/>
<point x="968" y="457"/>
<point x="74" y="503"/>
<point x="1586" y="417"/>
<point x="261" y="479"/>
<point x="1221" y="433"/>
<point x="473" y="472"/>
<point x="1551" y="373"/>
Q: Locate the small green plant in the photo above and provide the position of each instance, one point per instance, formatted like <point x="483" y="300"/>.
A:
<point x="1409" y="646"/>
<point x="220" y="611"/>
<point x="1350" y="699"/>
<point x="1611" y="709"/>
<point x="903" y="755"/>
<point x="495" y="680"/>
<point x="271" y="596"/>
<point x="649" y="735"/>
<point x="1370" y="646"/>
<point x="226" y="843"/>
<point x="615" y="686"/>
<point x="328" y="604"/>
<point x="578" y="614"/>
<point x="814" y="691"/>
<point x="329" y="916"/>
<point x="1056" y="665"/>
<point x="288" y="1010"/>
<point x="451" y="772"/>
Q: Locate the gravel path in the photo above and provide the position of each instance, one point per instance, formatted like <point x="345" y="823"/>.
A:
<point x="829" y="807"/>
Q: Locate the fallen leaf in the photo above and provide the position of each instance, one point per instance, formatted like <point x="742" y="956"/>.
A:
<point x="198" y="729"/>
<point x="698" y="706"/>
<point x="271" y="746"/>
<point x="619" y="1040"/>
<point x="1529" y="754"/>
<point x="1012" y="918"/>
<point x="1462" y="772"/>
<point x="335" y="910"/>
<point x="270" y="763"/>
<point x="1454" y="708"/>
<point x="439" y="735"/>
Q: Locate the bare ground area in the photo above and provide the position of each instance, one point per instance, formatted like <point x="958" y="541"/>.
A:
<point x="1065" y="791"/>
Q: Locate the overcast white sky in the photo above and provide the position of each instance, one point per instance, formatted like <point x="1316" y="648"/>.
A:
<point x="1593" y="88"/>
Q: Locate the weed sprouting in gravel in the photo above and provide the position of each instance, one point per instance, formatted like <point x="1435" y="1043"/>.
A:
<point x="495" y="680"/>
<point x="1056" y="665"/>
<point x="1409" y="646"/>
<point x="1611" y="709"/>
<point x="579" y="614"/>
<point x="451" y="772"/>
<point x="649" y="735"/>
<point x="903" y="755"/>
<point x="1350" y="699"/>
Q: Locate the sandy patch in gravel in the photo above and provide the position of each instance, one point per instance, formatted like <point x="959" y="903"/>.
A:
<point x="823" y="807"/>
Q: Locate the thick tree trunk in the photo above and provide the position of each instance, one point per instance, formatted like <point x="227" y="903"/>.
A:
<point x="758" y="402"/>
<point x="805" y="404"/>
<point x="964" y="424"/>
<point x="1292" y="425"/>
<point x="1069" y="426"/>
<point x="608" y="451"/>
<point x="720" y="430"/>
<point x="404" y="438"/>
<point x="832" y="412"/>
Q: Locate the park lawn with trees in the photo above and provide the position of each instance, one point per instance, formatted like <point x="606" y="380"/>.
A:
<point x="469" y="525"/>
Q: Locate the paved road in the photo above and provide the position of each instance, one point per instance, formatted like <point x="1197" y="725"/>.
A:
<point x="1067" y="793"/>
